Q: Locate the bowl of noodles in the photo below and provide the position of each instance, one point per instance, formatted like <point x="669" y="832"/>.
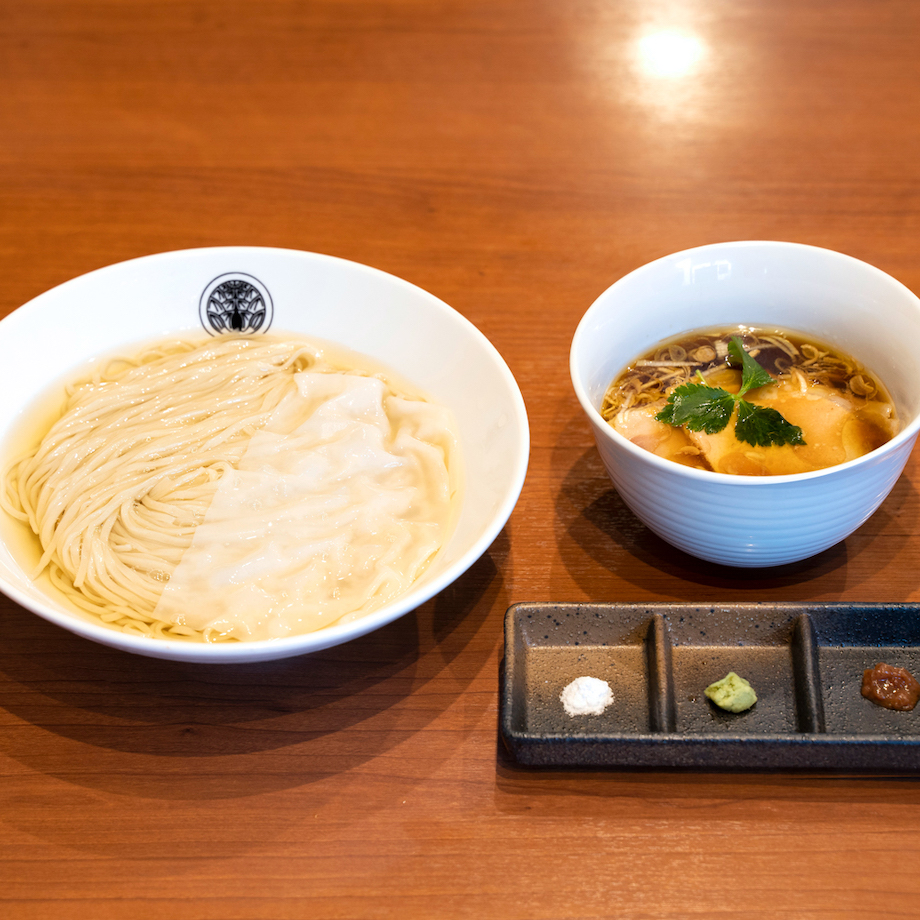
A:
<point x="753" y="402"/>
<point x="242" y="454"/>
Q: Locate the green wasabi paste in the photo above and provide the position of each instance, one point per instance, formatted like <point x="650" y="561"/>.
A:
<point x="733" y="693"/>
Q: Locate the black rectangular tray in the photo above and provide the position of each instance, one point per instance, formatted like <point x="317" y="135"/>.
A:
<point x="805" y="662"/>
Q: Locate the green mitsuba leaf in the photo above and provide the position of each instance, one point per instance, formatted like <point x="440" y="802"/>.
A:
<point x="699" y="407"/>
<point x="762" y="426"/>
<point x="752" y="374"/>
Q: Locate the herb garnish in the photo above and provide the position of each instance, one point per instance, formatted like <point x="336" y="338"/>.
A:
<point x="704" y="408"/>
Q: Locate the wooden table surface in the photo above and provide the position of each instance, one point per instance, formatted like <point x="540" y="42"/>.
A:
<point x="514" y="157"/>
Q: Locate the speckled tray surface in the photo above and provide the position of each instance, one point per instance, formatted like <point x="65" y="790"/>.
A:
<point x="805" y="662"/>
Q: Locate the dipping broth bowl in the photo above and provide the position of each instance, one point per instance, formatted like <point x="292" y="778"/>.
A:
<point x="752" y="521"/>
<point x="398" y="325"/>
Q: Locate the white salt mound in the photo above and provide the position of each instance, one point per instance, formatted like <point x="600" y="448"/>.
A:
<point x="586" y="696"/>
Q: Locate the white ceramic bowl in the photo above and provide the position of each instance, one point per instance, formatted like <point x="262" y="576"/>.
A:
<point x="747" y="520"/>
<point x="365" y="310"/>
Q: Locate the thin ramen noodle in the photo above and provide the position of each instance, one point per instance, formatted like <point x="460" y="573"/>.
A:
<point x="236" y="488"/>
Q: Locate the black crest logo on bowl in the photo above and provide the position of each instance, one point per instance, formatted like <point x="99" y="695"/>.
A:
<point x="235" y="302"/>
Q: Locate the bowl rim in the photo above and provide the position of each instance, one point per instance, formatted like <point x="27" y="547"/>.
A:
<point x="599" y="423"/>
<point x="336" y="633"/>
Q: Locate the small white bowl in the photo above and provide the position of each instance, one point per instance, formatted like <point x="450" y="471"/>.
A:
<point x="368" y="311"/>
<point x="748" y="520"/>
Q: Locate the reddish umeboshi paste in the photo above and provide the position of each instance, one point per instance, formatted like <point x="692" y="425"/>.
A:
<point x="891" y="687"/>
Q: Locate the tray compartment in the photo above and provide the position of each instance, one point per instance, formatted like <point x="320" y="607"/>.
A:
<point x="776" y="655"/>
<point x="842" y="671"/>
<point x="857" y="638"/>
<point x="557" y="643"/>
<point x="769" y="670"/>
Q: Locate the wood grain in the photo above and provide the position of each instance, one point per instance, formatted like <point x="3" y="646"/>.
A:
<point x="514" y="157"/>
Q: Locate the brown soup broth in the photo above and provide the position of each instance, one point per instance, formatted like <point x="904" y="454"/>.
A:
<point x="812" y="379"/>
